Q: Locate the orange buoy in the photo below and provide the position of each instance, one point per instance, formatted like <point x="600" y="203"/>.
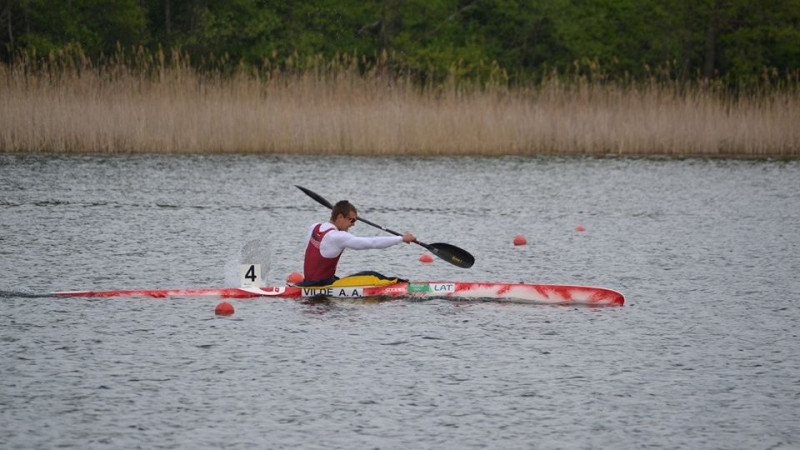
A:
<point x="295" y="277"/>
<point x="580" y="228"/>
<point x="224" y="309"/>
<point x="520" y="240"/>
<point x="426" y="258"/>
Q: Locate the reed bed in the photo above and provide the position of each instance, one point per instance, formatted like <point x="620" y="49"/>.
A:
<point x="176" y="109"/>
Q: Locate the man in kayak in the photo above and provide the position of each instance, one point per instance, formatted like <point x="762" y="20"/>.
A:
<point x="327" y="241"/>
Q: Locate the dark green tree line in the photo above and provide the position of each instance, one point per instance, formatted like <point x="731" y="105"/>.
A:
<point x="734" y="40"/>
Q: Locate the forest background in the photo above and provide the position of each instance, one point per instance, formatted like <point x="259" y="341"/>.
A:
<point x="722" y="51"/>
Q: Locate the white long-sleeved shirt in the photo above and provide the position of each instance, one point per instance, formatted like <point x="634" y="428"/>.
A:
<point x="334" y="243"/>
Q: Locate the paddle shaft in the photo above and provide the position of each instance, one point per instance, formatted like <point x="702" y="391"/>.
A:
<point x="449" y="253"/>
<point x="328" y="205"/>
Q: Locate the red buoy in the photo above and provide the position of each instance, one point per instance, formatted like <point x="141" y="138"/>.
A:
<point x="580" y="228"/>
<point x="295" y="277"/>
<point x="520" y="240"/>
<point x="426" y="258"/>
<point x="224" y="309"/>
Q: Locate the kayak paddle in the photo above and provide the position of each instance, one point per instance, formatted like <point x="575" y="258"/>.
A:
<point x="447" y="252"/>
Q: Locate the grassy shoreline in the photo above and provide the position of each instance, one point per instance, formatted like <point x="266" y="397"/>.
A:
<point x="177" y="110"/>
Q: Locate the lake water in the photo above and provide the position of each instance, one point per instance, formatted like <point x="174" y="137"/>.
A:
<point x="705" y="353"/>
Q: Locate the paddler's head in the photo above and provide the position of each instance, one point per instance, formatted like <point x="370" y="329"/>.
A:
<point x="344" y="215"/>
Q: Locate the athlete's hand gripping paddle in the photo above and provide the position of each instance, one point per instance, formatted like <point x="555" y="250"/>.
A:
<point x="447" y="252"/>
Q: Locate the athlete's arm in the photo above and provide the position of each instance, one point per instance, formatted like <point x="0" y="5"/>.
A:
<point x="336" y="241"/>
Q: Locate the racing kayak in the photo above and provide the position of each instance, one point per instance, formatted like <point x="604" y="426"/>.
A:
<point x="506" y="292"/>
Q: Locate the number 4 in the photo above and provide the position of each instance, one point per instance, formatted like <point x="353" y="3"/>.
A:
<point x="251" y="273"/>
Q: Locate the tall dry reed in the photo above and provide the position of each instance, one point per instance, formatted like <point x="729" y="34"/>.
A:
<point x="171" y="108"/>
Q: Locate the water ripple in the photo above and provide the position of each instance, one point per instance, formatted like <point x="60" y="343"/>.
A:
<point x="703" y="355"/>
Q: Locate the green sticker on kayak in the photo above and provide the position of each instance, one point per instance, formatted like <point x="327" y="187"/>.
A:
<point x="419" y="287"/>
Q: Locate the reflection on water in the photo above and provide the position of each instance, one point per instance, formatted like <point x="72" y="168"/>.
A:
<point x="703" y="355"/>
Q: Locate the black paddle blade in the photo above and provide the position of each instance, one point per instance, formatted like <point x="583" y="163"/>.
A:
<point x="447" y="252"/>
<point x="451" y="254"/>
<point x="315" y="196"/>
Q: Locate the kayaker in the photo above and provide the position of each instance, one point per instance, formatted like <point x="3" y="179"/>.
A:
<point x="327" y="241"/>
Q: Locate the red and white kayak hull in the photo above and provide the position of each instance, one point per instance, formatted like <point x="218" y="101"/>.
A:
<point x="508" y="292"/>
